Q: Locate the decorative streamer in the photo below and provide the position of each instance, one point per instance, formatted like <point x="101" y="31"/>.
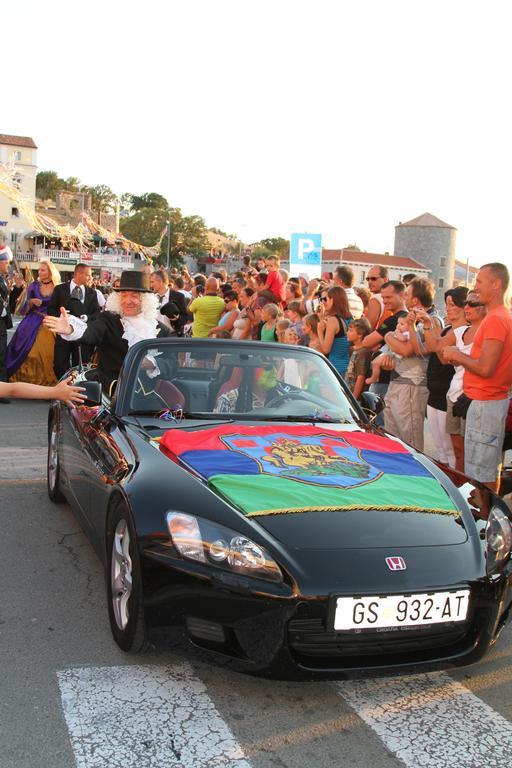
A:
<point x="78" y="238"/>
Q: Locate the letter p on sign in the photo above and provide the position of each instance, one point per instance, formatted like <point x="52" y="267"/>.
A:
<point x="305" y="254"/>
<point x="306" y="245"/>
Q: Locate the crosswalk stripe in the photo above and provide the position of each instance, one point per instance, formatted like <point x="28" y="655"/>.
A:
<point x="431" y="720"/>
<point x="145" y="717"/>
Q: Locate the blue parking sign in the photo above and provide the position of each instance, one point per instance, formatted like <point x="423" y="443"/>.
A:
<point x="305" y="254"/>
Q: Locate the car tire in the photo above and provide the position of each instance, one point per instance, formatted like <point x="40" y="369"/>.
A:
<point x="124" y="582"/>
<point x="53" y="464"/>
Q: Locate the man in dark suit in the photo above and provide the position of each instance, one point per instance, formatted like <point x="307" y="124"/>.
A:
<point x="171" y="304"/>
<point x="126" y="321"/>
<point x="5" y="312"/>
<point x="79" y="301"/>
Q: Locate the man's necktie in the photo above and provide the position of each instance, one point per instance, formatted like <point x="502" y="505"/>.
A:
<point x="76" y="293"/>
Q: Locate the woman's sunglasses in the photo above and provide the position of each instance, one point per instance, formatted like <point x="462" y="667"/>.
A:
<point x="324" y="298"/>
<point x="473" y="304"/>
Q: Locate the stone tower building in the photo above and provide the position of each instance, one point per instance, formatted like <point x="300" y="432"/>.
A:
<point x="430" y="241"/>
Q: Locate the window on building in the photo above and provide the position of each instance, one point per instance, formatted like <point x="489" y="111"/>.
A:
<point x="17" y="157"/>
<point x="363" y="276"/>
<point x="442" y="262"/>
<point x="15" y="212"/>
<point x="441" y="282"/>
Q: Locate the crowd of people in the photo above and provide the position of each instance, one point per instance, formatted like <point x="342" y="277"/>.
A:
<point x="447" y="360"/>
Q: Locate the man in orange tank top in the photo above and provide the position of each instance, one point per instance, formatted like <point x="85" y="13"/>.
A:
<point x="487" y="378"/>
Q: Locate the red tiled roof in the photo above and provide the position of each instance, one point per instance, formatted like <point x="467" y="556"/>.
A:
<point x="17" y="141"/>
<point x="425" y="220"/>
<point x="361" y="257"/>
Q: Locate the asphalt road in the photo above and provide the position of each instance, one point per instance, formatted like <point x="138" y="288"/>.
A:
<point x="70" y="697"/>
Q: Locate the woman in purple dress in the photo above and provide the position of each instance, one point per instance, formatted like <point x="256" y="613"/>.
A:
<point x="30" y="351"/>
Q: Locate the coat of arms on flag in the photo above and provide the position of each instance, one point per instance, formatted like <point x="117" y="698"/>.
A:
<point x="314" y="459"/>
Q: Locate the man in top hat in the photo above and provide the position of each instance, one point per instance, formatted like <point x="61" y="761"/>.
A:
<point x="5" y="312"/>
<point x="79" y="300"/>
<point x="130" y="316"/>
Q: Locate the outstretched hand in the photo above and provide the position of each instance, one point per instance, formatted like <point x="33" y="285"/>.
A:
<point x="67" y="393"/>
<point x="59" y="324"/>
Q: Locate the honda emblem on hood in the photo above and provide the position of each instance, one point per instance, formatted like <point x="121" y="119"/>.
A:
<point x="396" y="563"/>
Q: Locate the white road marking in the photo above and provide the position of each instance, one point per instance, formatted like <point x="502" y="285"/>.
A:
<point x="431" y="720"/>
<point x="145" y="717"/>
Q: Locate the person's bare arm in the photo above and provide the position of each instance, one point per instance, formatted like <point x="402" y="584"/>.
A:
<point x="326" y="333"/>
<point x="373" y="339"/>
<point x="373" y="312"/>
<point x="404" y="348"/>
<point x="483" y="366"/>
<point x="61" y="391"/>
<point x="359" y="386"/>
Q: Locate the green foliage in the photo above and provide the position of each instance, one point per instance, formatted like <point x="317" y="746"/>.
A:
<point x="188" y="233"/>
<point x="149" y="200"/>
<point x="48" y="184"/>
<point x="102" y="197"/>
<point x="73" y="184"/>
<point x="259" y="251"/>
<point x="277" y="245"/>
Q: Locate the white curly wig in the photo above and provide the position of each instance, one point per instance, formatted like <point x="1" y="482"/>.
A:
<point x="149" y="305"/>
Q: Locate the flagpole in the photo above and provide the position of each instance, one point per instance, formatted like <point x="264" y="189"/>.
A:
<point x="169" y="241"/>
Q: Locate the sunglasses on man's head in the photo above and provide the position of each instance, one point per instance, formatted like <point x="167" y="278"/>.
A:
<point x="473" y="304"/>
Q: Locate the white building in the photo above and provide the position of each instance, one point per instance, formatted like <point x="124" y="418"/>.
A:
<point x="18" y="153"/>
<point x="361" y="262"/>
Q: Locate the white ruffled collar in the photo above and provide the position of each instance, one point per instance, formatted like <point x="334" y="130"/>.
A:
<point x="139" y="329"/>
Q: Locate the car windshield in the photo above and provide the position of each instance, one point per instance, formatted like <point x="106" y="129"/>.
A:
<point x="213" y="380"/>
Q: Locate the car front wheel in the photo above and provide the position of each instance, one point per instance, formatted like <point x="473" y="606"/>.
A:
<point x="53" y="464"/>
<point x="124" y="583"/>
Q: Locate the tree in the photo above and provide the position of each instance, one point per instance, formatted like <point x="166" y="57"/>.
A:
<point x="188" y="233"/>
<point x="72" y="184"/>
<point x="103" y="199"/>
<point x="48" y="184"/>
<point x="277" y="245"/>
<point x="149" y="200"/>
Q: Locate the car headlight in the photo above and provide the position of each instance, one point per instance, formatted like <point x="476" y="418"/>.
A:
<point x="498" y="538"/>
<point x="213" y="544"/>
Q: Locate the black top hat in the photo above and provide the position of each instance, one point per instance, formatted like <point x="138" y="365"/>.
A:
<point x="134" y="281"/>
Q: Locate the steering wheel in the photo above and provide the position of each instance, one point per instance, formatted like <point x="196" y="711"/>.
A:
<point x="282" y="397"/>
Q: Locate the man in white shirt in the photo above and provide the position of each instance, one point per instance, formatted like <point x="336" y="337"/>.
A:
<point x="344" y="278"/>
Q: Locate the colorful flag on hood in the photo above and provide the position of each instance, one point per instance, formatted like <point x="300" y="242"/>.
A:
<point x="277" y="469"/>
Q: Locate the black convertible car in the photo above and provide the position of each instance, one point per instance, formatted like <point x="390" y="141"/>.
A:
<point x="237" y="489"/>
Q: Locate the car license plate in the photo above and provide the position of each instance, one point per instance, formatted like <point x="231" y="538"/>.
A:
<point x="377" y="612"/>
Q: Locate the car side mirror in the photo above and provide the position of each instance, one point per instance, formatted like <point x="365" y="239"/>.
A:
<point x="372" y="403"/>
<point x="93" y="393"/>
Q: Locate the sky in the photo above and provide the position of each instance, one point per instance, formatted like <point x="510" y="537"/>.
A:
<point x="277" y="116"/>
